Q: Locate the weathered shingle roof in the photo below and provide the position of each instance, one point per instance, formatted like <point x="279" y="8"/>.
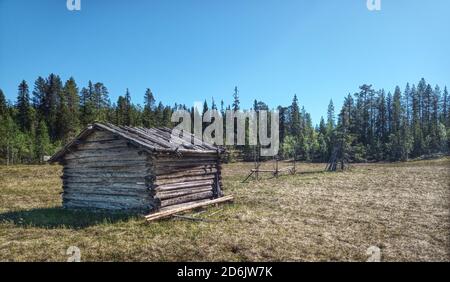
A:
<point x="151" y="139"/>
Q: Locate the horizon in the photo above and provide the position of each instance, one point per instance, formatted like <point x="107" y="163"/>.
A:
<point x="205" y="49"/>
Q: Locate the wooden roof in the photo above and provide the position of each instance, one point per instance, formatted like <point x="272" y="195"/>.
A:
<point x="150" y="139"/>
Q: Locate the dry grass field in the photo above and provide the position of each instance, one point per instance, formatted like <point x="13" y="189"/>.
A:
<point x="404" y="209"/>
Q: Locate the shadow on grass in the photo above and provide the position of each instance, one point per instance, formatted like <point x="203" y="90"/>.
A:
<point x="62" y="218"/>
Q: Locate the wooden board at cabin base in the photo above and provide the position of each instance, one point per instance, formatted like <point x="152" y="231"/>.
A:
<point x="187" y="207"/>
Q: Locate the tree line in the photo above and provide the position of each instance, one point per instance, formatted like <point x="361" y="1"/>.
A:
<point x="371" y="126"/>
<point x="374" y="126"/>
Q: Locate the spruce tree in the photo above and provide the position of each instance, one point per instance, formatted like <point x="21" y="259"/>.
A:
<point x="72" y="99"/>
<point x="396" y="150"/>
<point x="43" y="145"/>
<point x="407" y="102"/>
<point x="416" y="123"/>
<point x="101" y="101"/>
<point x="236" y="102"/>
<point x="24" y="112"/>
<point x="39" y="97"/>
<point x="330" y="116"/>
<point x="121" y="110"/>
<point x="213" y="104"/>
<point x="295" y="126"/>
<point x="381" y="126"/>
<point x="149" y="107"/>
<point x="3" y="105"/>
<point x="435" y="145"/>
<point x="128" y="108"/>
<point x="445" y="109"/>
<point x="53" y="91"/>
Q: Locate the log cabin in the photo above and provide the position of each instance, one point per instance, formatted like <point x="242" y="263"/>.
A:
<point x="135" y="169"/>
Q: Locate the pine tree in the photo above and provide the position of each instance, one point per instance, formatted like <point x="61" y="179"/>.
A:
<point x="39" y="97"/>
<point x="283" y="120"/>
<point x="3" y="105"/>
<point x="149" y="107"/>
<point x="63" y="119"/>
<point x="167" y="113"/>
<point x="389" y="113"/>
<point x="295" y="126"/>
<point x="381" y="126"/>
<point x="8" y="137"/>
<point x="213" y="104"/>
<point x="407" y="99"/>
<point x="363" y="108"/>
<point x="342" y="141"/>
<point x="50" y="103"/>
<point x="323" y="142"/>
<point x="330" y="116"/>
<point x="72" y="99"/>
<point x="236" y="101"/>
<point x="426" y="113"/>
<point x="160" y="114"/>
<point x="421" y="88"/>
<point x="128" y="108"/>
<point x="445" y="108"/>
<point x="396" y="151"/>
<point x="435" y="138"/>
<point x="222" y="108"/>
<point x="24" y="112"/>
<point x="121" y="110"/>
<point x="101" y="102"/>
<point x="43" y="145"/>
<point x="416" y="123"/>
<point x="205" y="107"/>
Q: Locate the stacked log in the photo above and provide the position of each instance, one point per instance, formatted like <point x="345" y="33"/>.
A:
<point x="185" y="179"/>
<point x="106" y="173"/>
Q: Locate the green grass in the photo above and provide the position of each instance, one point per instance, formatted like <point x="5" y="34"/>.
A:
<point x="402" y="208"/>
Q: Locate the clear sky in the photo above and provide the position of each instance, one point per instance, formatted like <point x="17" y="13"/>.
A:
<point x="189" y="50"/>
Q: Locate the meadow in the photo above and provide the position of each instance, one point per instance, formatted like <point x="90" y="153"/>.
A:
<point x="401" y="208"/>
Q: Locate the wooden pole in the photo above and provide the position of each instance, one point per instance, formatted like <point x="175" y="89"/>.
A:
<point x="170" y="212"/>
<point x="294" y="165"/>
<point x="276" y="168"/>
<point x="257" y="166"/>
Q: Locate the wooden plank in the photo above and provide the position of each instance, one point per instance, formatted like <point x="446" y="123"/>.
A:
<point x="77" y="204"/>
<point x="104" y="155"/>
<point x="167" y="170"/>
<point x="184" y="192"/>
<point x="187" y="198"/>
<point x="182" y="185"/>
<point x="170" y="212"/>
<point x="112" y="185"/>
<point x="95" y="178"/>
<point x="188" y="173"/>
<point x="143" y="170"/>
<point x="108" y="174"/>
<point x="135" y="192"/>
<point x="107" y="159"/>
<point x="126" y="200"/>
<point x="114" y="164"/>
<point x="104" y="144"/>
<point x="161" y="182"/>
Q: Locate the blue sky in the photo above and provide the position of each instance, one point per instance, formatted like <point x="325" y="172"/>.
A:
<point x="189" y="50"/>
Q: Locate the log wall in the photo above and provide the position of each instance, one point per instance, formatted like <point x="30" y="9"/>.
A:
<point x="185" y="179"/>
<point x="104" y="172"/>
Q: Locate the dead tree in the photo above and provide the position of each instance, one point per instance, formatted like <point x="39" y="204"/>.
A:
<point x="340" y="155"/>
